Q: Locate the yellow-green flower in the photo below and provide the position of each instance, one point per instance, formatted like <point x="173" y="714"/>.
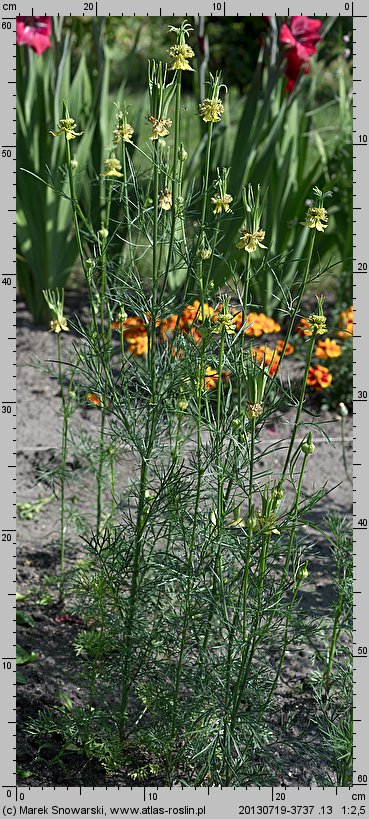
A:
<point x="204" y="253"/>
<point x="222" y="203"/>
<point x="315" y="218"/>
<point x="159" y="127"/>
<point x="113" y="167"/>
<point x="59" y="324"/>
<point x="123" y="133"/>
<point x="180" y="55"/>
<point x="67" y="126"/>
<point x="266" y="523"/>
<point x="318" y="324"/>
<point x="211" y="110"/>
<point x="254" y="410"/>
<point x="165" y="199"/>
<point x="224" y="320"/>
<point x="55" y="302"/>
<point x="251" y="241"/>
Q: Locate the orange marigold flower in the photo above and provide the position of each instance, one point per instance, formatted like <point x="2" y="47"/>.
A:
<point x="347" y="315"/>
<point x="138" y="343"/>
<point x="269" y="325"/>
<point x="192" y="312"/>
<point x="273" y="367"/>
<point x="194" y="333"/>
<point x="328" y="349"/>
<point x="303" y="328"/>
<point x="93" y="399"/>
<point x="211" y="378"/>
<point x="237" y="318"/>
<point x="347" y="333"/>
<point x="258" y="323"/>
<point x="132" y="324"/>
<point x="289" y="347"/>
<point x="319" y="377"/>
<point x="346" y="322"/>
<point x="167" y="325"/>
<point x="266" y="357"/>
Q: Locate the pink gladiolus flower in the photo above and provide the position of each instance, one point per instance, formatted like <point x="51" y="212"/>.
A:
<point x="303" y="35"/>
<point x="293" y="69"/>
<point x="34" y="32"/>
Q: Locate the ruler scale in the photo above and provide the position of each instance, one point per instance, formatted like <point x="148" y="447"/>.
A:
<point x="213" y="802"/>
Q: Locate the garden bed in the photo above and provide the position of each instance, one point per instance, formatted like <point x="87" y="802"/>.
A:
<point x="54" y="633"/>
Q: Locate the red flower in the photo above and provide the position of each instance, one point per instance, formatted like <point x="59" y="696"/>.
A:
<point x="34" y="32"/>
<point x="303" y="35"/>
<point x="293" y="69"/>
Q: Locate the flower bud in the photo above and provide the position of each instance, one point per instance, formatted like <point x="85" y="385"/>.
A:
<point x="303" y="573"/>
<point x="342" y="409"/>
<point x="103" y="234"/>
<point x="122" y="315"/>
<point x="74" y="164"/>
<point x="182" y="154"/>
<point x="252" y="521"/>
<point x="278" y="493"/>
<point x="182" y="404"/>
<point x="89" y="269"/>
<point x="236" y="424"/>
<point x="308" y="447"/>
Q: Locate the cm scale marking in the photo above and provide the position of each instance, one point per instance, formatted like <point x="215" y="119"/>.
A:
<point x="210" y="802"/>
<point x="214" y="803"/>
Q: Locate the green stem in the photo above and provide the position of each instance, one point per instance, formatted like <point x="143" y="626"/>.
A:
<point x="155" y="231"/>
<point x="217" y="570"/>
<point x="205" y="187"/>
<point x="206" y="177"/>
<point x="189" y="578"/>
<point x="63" y="468"/>
<point x="175" y="179"/>
<point x="296" y="308"/>
<point x="125" y="197"/>
<point x="296" y="588"/>
<point x="295" y="516"/>
<point x="127" y="638"/>
<point x="103" y="310"/>
<point x="112" y="482"/>
<point x="103" y="293"/>
<point x="332" y="648"/>
<point x="245" y="580"/>
<point x="344" y="776"/>
<point x="245" y="298"/>
<point x="300" y="405"/>
<point x="100" y="471"/>
<point x="348" y="476"/>
<point x="249" y="649"/>
<point x="76" y="210"/>
<point x="213" y="249"/>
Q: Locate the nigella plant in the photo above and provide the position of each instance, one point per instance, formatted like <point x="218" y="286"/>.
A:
<point x="195" y="563"/>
